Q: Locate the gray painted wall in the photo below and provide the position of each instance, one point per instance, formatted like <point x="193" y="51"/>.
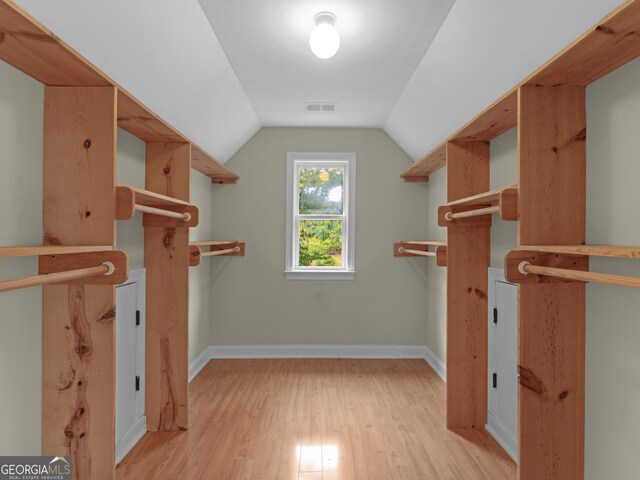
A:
<point x="254" y="304"/>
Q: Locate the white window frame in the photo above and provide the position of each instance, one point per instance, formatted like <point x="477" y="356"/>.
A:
<point x="346" y="271"/>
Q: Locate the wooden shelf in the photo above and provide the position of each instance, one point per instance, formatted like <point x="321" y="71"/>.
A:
<point x="613" y="42"/>
<point x="205" y="163"/>
<point x="589" y="250"/>
<point x="227" y="248"/>
<point x="431" y="162"/>
<point x="503" y="201"/>
<point x="498" y="118"/>
<point x="30" y="47"/>
<point x="610" y="44"/>
<point x="138" y="120"/>
<point x="40" y="250"/>
<point x="495" y="120"/>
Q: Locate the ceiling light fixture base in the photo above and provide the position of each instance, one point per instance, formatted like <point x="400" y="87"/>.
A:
<point x="325" y="17"/>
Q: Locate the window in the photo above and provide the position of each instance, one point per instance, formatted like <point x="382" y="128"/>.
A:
<point x="320" y="216"/>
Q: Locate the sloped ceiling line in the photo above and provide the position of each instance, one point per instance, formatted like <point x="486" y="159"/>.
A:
<point x="166" y="54"/>
<point x="219" y="88"/>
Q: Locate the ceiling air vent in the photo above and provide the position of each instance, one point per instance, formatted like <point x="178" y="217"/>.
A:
<point x="320" y="107"/>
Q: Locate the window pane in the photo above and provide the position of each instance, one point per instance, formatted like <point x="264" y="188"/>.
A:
<point x="320" y="243"/>
<point x="320" y="191"/>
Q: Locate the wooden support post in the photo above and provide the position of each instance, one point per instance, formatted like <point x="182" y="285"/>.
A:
<point x="467" y="286"/>
<point x="166" y="258"/>
<point x="552" y="172"/>
<point x="78" y="417"/>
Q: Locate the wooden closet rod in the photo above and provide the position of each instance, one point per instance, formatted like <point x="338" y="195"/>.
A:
<point x="472" y="213"/>
<point x="416" y="252"/>
<point x="106" y="268"/>
<point x="165" y="213"/>
<point x="220" y="252"/>
<point x="526" y="268"/>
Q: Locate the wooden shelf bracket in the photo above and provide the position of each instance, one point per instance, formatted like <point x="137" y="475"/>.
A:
<point x="533" y="267"/>
<point x="420" y="248"/>
<point x="503" y="201"/>
<point x="84" y="268"/>
<point x="159" y="210"/>
<point x="217" y="248"/>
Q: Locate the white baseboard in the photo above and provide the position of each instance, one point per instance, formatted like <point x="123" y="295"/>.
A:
<point x="129" y="440"/>
<point x="317" y="351"/>
<point x="436" y="363"/>
<point x="499" y="431"/>
<point x="199" y="362"/>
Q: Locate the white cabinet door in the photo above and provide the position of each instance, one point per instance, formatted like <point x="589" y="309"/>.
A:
<point x="130" y="345"/>
<point x="502" y="420"/>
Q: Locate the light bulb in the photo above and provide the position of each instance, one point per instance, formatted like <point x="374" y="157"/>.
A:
<point x="325" y="39"/>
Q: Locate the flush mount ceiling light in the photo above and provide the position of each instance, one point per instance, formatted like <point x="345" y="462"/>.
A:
<point x="325" y="39"/>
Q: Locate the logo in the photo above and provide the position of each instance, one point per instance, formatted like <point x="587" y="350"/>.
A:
<point x="35" y="468"/>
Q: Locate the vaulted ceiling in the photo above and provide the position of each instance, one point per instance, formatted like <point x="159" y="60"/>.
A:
<point x="382" y="43"/>
<point x="220" y="70"/>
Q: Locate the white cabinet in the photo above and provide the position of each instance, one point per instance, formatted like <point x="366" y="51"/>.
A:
<point x="130" y="349"/>
<point x="502" y="418"/>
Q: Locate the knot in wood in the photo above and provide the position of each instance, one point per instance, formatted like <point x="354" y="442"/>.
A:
<point x="605" y="29"/>
<point x="87" y="143"/>
<point x="166" y="170"/>
<point x="110" y="315"/>
<point x="530" y="381"/>
<point x="480" y="293"/>
<point x="82" y="350"/>
<point x="168" y="239"/>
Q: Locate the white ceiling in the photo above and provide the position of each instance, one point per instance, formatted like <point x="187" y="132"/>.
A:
<point x="267" y="44"/>
<point x="482" y="50"/>
<point x="167" y="54"/>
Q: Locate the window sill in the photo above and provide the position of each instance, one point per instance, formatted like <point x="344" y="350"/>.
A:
<point x="316" y="275"/>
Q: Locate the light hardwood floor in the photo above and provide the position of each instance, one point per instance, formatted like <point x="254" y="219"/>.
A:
<point x="310" y="419"/>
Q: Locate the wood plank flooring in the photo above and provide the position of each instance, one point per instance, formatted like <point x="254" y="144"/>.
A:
<point x="317" y="419"/>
